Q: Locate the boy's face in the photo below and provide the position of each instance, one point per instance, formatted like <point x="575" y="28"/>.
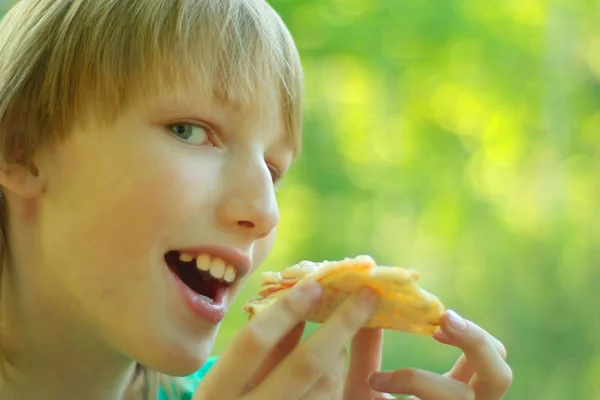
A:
<point x="180" y="173"/>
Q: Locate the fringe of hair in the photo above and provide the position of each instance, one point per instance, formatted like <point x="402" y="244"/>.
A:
<point x="60" y="60"/>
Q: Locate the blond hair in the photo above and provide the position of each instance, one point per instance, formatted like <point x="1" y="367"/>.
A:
<point x="62" y="60"/>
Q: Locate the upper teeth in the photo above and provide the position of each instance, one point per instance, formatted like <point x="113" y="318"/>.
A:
<point x="217" y="267"/>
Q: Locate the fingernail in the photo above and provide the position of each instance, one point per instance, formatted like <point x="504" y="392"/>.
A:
<point x="367" y="297"/>
<point x="377" y="378"/>
<point x="456" y="322"/>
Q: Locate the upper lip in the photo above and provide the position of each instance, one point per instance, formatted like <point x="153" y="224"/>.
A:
<point x="237" y="258"/>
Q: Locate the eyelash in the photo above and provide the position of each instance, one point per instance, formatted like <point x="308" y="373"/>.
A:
<point x="207" y="130"/>
<point x="274" y="171"/>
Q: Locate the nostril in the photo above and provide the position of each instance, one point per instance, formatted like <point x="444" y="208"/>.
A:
<point x="246" y="224"/>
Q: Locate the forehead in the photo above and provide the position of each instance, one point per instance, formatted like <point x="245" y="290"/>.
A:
<point x="227" y="49"/>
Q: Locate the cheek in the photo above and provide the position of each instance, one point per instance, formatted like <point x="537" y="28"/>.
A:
<point x="262" y="248"/>
<point x="116" y="215"/>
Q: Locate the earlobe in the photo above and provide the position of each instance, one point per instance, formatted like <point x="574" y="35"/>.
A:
<point x="22" y="180"/>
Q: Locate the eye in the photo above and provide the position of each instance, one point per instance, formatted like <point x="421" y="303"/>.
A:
<point x="196" y="135"/>
<point x="275" y="174"/>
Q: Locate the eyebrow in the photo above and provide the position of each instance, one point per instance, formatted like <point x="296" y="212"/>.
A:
<point x="206" y="109"/>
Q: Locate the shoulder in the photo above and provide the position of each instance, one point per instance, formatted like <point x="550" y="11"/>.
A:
<point x="190" y="382"/>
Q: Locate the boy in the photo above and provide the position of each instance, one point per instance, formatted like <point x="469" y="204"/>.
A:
<point x="141" y="141"/>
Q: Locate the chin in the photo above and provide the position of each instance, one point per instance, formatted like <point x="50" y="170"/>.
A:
<point x="177" y="360"/>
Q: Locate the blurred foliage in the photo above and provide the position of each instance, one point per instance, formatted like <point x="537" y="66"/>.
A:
<point x="461" y="138"/>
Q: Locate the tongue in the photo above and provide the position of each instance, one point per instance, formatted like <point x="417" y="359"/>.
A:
<point x="199" y="283"/>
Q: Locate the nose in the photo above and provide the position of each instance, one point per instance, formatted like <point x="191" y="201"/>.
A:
<point x="248" y="204"/>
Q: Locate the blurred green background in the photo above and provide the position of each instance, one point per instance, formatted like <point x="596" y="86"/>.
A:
<point x="461" y="138"/>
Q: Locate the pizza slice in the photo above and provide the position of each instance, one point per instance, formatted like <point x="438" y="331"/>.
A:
<point x="403" y="305"/>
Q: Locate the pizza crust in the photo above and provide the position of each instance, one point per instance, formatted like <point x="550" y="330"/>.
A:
<point x="403" y="305"/>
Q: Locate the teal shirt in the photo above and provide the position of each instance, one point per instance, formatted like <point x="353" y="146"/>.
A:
<point x="191" y="381"/>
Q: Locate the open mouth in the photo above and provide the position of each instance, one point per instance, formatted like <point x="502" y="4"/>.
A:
<point x="207" y="276"/>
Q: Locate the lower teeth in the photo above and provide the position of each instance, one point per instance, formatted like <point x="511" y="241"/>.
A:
<point x="208" y="299"/>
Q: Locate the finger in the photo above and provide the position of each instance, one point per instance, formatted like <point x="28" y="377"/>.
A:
<point x="339" y="395"/>
<point x="365" y="357"/>
<point x="423" y="384"/>
<point x="442" y="337"/>
<point x="494" y="376"/>
<point x="462" y="370"/>
<point x="249" y="349"/>
<point x="327" y="388"/>
<point x="283" y="348"/>
<point x="317" y="354"/>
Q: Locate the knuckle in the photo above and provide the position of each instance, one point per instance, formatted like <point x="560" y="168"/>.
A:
<point x="327" y="384"/>
<point x="409" y="377"/>
<point x="480" y="340"/>
<point x="254" y="342"/>
<point x="351" y="319"/>
<point x="251" y="385"/>
<point x="306" y="365"/>
<point x="503" y="380"/>
<point x="293" y="306"/>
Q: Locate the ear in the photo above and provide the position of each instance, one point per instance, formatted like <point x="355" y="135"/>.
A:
<point x="21" y="179"/>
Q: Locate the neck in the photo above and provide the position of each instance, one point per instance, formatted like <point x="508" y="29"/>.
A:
<point x="54" y="357"/>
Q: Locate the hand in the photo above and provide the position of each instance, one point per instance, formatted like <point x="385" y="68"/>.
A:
<point x="265" y="360"/>
<point x="479" y="374"/>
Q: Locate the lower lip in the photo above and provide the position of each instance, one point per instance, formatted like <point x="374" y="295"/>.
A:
<point x="212" y="312"/>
